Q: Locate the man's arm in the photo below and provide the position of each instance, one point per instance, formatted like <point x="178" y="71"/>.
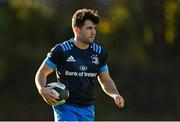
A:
<point x="109" y="88"/>
<point x="40" y="81"/>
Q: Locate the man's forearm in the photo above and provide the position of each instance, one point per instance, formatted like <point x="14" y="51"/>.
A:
<point x="40" y="80"/>
<point x="109" y="88"/>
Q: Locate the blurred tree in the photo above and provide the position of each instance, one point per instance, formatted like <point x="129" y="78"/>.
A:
<point x="140" y="36"/>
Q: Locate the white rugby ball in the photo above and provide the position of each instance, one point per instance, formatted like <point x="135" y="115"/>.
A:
<point x="59" y="90"/>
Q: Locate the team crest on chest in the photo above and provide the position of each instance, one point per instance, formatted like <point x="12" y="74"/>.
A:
<point x="95" y="59"/>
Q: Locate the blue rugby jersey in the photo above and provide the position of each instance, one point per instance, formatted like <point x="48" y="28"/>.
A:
<point x="78" y="69"/>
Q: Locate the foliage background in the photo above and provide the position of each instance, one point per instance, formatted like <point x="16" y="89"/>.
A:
<point x="141" y="37"/>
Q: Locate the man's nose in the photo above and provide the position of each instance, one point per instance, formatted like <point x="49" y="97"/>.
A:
<point x="93" y="31"/>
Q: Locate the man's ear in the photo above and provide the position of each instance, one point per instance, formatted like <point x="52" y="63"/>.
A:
<point x="77" y="30"/>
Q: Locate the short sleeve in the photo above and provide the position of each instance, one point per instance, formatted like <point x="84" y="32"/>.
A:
<point x="103" y="67"/>
<point x="54" y="57"/>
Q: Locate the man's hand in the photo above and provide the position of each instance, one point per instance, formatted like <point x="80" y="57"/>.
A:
<point x="119" y="101"/>
<point x="48" y="96"/>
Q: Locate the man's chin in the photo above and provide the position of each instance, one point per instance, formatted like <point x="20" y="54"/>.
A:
<point x="91" y="41"/>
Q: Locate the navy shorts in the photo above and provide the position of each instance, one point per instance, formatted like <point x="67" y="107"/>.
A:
<point x="73" y="113"/>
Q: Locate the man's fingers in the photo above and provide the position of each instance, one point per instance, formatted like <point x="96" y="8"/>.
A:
<point x="119" y="101"/>
<point x="48" y="96"/>
<point x="50" y="100"/>
<point x="50" y="93"/>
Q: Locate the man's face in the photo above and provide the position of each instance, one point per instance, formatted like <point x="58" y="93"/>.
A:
<point x="88" y="32"/>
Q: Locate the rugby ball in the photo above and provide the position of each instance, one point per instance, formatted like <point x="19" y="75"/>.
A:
<point x="59" y="90"/>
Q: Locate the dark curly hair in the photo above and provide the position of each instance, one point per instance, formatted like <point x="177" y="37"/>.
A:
<point x="81" y="15"/>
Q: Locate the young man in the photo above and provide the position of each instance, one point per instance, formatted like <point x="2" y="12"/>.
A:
<point x="78" y="62"/>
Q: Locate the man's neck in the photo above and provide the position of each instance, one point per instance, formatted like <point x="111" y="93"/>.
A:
<point x="79" y="43"/>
